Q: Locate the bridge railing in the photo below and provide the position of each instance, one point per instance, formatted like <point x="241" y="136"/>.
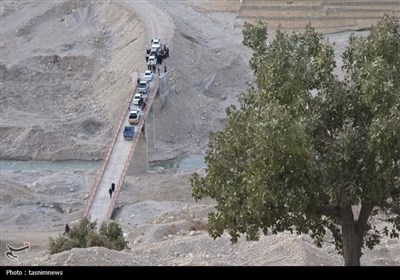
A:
<point x="152" y="93"/>
<point x="107" y="152"/>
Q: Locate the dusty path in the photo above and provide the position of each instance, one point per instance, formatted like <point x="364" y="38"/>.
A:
<point x="156" y="22"/>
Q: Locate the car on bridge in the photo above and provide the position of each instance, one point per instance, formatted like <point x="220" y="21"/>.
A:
<point x="148" y="75"/>
<point x="134" y="117"/>
<point x="129" y="132"/>
<point x="137" y="99"/>
<point x="143" y="86"/>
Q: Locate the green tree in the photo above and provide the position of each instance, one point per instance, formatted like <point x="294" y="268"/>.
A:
<point x="305" y="150"/>
<point x="114" y="235"/>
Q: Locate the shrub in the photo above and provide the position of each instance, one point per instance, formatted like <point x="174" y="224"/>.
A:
<point x="84" y="235"/>
<point x="113" y="235"/>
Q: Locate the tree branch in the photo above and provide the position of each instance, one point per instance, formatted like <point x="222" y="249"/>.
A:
<point x="329" y="210"/>
<point x="361" y="224"/>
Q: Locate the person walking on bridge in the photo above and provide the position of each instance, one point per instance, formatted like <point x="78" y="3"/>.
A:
<point x="110" y="192"/>
<point x="113" y="187"/>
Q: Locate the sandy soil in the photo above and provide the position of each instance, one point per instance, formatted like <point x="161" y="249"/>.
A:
<point x="65" y="78"/>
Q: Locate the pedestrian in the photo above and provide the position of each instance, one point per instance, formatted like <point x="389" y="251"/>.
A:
<point x="113" y="187"/>
<point x="158" y="68"/>
<point x="138" y="80"/>
<point x="56" y="60"/>
<point x="165" y="68"/>
<point x="66" y="232"/>
<point x="110" y="192"/>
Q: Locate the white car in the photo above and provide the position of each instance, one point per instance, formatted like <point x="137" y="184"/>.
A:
<point x="134" y="117"/>
<point x="148" y="76"/>
<point x="143" y="86"/>
<point x="154" y="52"/>
<point x="152" y="60"/>
<point x="136" y="99"/>
<point x="156" y="43"/>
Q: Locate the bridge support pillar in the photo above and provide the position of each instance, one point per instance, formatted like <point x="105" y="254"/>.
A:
<point x="151" y="130"/>
<point x="139" y="164"/>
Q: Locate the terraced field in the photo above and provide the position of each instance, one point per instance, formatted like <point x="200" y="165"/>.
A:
<point x="325" y="16"/>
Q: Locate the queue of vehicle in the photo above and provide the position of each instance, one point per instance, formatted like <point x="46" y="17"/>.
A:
<point x="155" y="55"/>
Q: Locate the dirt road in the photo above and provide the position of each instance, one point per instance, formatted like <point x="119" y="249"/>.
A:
<point x="156" y="22"/>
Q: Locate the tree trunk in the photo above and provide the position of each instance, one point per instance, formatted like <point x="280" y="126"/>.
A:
<point x="351" y="240"/>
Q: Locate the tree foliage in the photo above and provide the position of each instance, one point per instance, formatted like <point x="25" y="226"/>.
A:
<point x="85" y="235"/>
<point x="306" y="148"/>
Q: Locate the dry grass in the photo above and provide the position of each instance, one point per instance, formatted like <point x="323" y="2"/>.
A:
<point x="171" y="230"/>
<point x="216" y="6"/>
<point x="198" y="225"/>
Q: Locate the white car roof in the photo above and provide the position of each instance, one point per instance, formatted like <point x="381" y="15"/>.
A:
<point x="134" y="112"/>
<point x="138" y="95"/>
<point x="148" y="72"/>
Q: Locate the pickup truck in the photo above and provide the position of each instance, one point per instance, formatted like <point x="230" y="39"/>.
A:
<point x="129" y="132"/>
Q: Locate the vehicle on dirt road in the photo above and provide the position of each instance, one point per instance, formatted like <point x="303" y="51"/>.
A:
<point x="152" y="60"/>
<point x="156" y="43"/>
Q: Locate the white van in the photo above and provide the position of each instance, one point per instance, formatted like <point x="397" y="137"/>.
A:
<point x="143" y="86"/>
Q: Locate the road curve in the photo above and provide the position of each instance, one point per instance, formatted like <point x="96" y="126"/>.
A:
<point x="156" y="22"/>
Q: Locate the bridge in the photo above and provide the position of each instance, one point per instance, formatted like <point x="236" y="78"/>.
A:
<point x="99" y="205"/>
<point x="120" y="153"/>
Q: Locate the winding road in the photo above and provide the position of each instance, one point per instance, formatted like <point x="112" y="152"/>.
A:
<point x="156" y="22"/>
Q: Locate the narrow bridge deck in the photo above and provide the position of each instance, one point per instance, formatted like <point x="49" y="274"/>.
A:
<point x="99" y="205"/>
